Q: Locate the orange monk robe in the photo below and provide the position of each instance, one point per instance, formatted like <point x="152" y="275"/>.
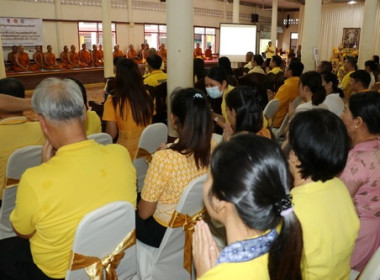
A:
<point x="38" y="58"/>
<point x="51" y="62"/>
<point x="96" y="61"/>
<point x="198" y="52"/>
<point x="74" y="59"/>
<point x="101" y="54"/>
<point x="23" y="59"/>
<point x="163" y="54"/>
<point x="208" y="54"/>
<point x="85" y="56"/>
<point x="131" y="54"/>
<point x="65" y="60"/>
<point x="117" y="53"/>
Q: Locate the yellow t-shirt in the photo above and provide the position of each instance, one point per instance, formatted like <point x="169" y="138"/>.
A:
<point x="286" y="94"/>
<point x="168" y="175"/>
<point x="129" y="130"/>
<point x="226" y="91"/>
<point x="92" y="124"/>
<point x="253" y="269"/>
<point x="16" y="133"/>
<point x="270" y="54"/>
<point x="155" y="78"/>
<point x="330" y="226"/>
<point x="53" y="198"/>
<point x="345" y="85"/>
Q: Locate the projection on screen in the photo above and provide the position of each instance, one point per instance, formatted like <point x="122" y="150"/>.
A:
<point x="236" y="40"/>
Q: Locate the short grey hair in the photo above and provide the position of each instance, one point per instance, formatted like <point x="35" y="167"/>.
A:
<point x="58" y="100"/>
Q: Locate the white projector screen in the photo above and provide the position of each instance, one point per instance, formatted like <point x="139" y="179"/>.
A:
<point x="236" y="40"/>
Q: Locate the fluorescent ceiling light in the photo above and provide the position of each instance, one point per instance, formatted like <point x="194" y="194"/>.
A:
<point x="351" y="2"/>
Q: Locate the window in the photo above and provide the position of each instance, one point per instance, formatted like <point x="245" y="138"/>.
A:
<point x="205" y="37"/>
<point x="90" y="33"/>
<point x="155" y="35"/>
<point x="293" y="40"/>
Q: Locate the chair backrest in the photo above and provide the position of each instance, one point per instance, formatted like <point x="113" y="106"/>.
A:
<point x="22" y="159"/>
<point x="280" y="131"/>
<point x="101" y="138"/>
<point x="169" y="258"/>
<point x="297" y="101"/>
<point x="18" y="162"/>
<point x="372" y="269"/>
<point x="271" y="108"/>
<point x="151" y="138"/>
<point x="217" y="138"/>
<point x="100" y="232"/>
<point x="9" y="199"/>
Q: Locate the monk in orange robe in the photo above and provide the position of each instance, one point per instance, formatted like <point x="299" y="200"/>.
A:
<point x="132" y="54"/>
<point x="117" y="52"/>
<point x="22" y="62"/>
<point x="208" y="53"/>
<point x="50" y="61"/>
<point x="101" y="53"/>
<point x="163" y="53"/>
<point x="64" y="56"/>
<point x="85" y="55"/>
<point x="198" y="51"/>
<point x="38" y="57"/>
<point x="95" y="56"/>
<point x="74" y="58"/>
<point x="12" y="55"/>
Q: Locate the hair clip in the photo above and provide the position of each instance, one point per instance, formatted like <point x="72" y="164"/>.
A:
<point x="197" y="95"/>
<point x="284" y="206"/>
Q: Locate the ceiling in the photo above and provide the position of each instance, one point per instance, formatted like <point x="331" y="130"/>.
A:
<point x="284" y="4"/>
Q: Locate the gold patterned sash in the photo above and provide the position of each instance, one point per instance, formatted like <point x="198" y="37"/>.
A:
<point x="94" y="266"/>
<point x="141" y="153"/>
<point x="187" y="223"/>
<point x="10" y="181"/>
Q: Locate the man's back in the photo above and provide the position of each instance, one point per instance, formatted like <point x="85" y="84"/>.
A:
<point x="53" y="197"/>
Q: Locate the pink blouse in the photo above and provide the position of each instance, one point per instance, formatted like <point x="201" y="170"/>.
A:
<point x="362" y="178"/>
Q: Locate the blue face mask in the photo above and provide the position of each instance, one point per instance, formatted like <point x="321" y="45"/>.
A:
<point x="214" y="92"/>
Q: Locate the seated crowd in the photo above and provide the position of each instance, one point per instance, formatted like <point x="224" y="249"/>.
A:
<point x="306" y="207"/>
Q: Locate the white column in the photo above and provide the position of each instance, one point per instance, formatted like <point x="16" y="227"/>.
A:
<point x="311" y="32"/>
<point x="107" y="38"/>
<point x="59" y="28"/>
<point x="236" y="11"/>
<point x="131" y="21"/>
<point x="180" y="47"/>
<point x="2" y="65"/>
<point x="273" y="31"/>
<point x="367" y="40"/>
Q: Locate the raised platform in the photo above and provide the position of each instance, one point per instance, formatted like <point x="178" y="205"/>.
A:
<point x="85" y="75"/>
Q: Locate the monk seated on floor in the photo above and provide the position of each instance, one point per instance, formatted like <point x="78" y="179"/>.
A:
<point x="65" y="58"/>
<point x="22" y="62"/>
<point x="50" y="61"/>
<point x="96" y="56"/>
<point x="74" y="59"/>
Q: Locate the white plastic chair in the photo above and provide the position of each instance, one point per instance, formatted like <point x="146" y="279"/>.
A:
<point x="217" y="138"/>
<point x="279" y="132"/>
<point x="100" y="232"/>
<point x="18" y="162"/>
<point x="372" y="269"/>
<point x="166" y="262"/>
<point x="271" y="108"/>
<point x="101" y="138"/>
<point x="151" y="138"/>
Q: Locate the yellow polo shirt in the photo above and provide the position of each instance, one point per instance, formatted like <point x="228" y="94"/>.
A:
<point x="275" y="70"/>
<point x="16" y="133"/>
<point x="330" y="226"/>
<point x="226" y="91"/>
<point x="155" y="78"/>
<point x="253" y="269"/>
<point x="92" y="124"/>
<point x="54" y="197"/>
<point x="345" y="85"/>
<point x="286" y="94"/>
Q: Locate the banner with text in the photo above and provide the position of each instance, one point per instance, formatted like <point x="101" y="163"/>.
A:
<point x="21" y="31"/>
